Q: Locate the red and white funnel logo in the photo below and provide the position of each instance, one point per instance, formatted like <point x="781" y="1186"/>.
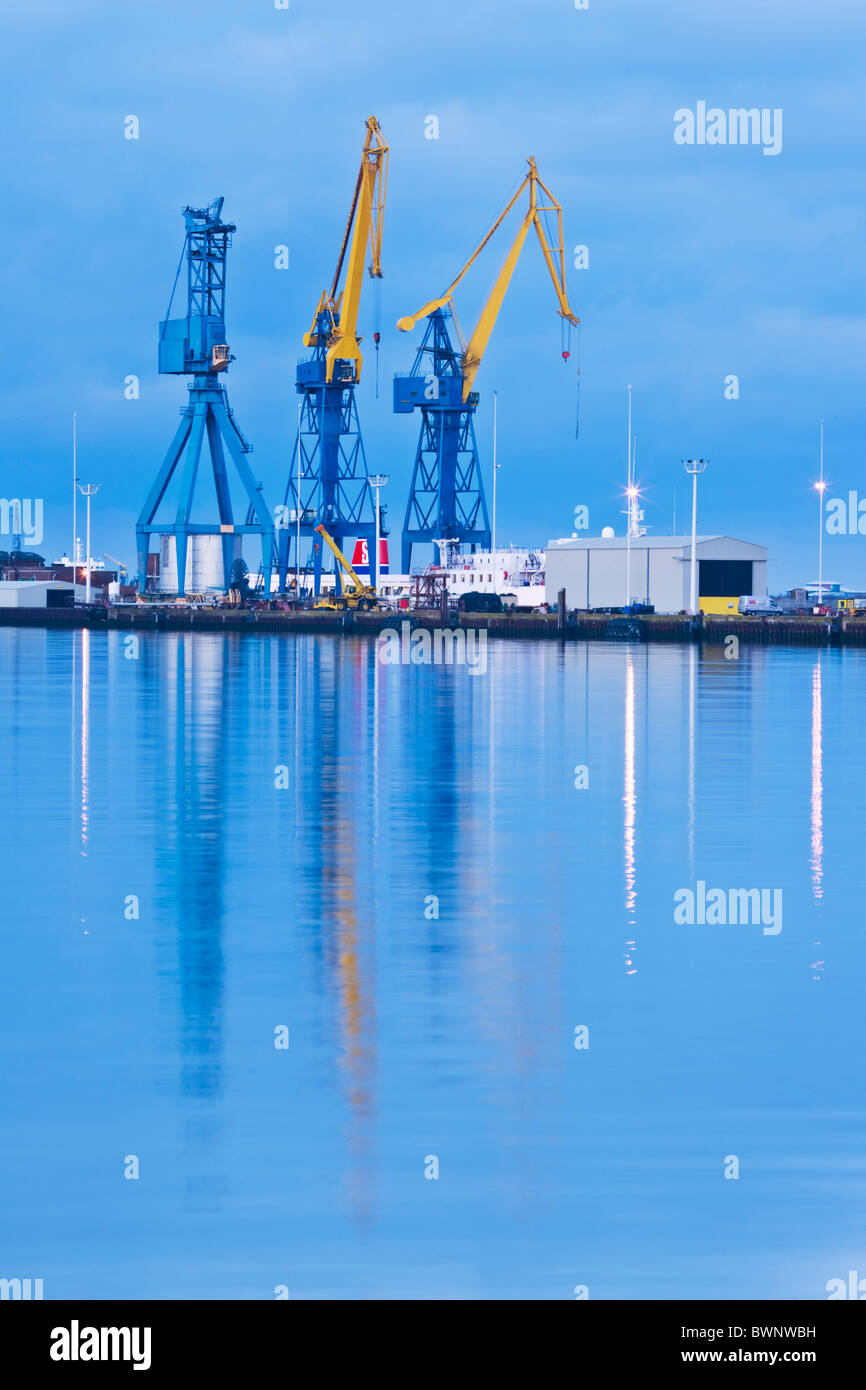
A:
<point x="361" y="556"/>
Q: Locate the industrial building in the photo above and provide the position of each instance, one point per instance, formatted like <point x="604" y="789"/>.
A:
<point x="36" y="593"/>
<point x="599" y="572"/>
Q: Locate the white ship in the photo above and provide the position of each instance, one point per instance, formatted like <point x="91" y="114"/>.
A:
<point x="516" y="573"/>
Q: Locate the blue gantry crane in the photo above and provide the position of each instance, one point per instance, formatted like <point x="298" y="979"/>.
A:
<point x="327" y="483"/>
<point x="446" y="496"/>
<point x="195" y="345"/>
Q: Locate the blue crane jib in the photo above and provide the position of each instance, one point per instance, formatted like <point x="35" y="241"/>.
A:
<point x="197" y="342"/>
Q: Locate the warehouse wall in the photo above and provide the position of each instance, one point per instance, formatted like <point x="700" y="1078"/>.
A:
<point x="595" y="576"/>
<point x="566" y="569"/>
<point x="654" y="572"/>
<point x="759" y="576"/>
<point x="670" y="580"/>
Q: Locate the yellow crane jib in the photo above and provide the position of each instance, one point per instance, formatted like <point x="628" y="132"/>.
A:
<point x="337" y="310"/>
<point x="361" y="596"/>
<point x="554" y="258"/>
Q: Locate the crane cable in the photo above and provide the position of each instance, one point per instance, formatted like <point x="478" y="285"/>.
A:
<point x="377" y="322"/>
<point x="577" y="424"/>
<point x="566" y="328"/>
<point x="177" y="276"/>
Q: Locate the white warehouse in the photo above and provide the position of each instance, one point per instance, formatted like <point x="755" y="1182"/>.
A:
<point x="594" y="572"/>
<point x="38" y="593"/>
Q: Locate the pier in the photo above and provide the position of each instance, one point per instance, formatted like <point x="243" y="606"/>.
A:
<point x="575" y="626"/>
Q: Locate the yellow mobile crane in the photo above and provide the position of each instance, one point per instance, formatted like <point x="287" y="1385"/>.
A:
<point x="446" y="496"/>
<point x="360" y="595"/>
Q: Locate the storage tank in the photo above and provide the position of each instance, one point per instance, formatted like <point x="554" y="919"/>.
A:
<point x="204" y="563"/>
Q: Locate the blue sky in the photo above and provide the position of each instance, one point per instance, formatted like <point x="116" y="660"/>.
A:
<point x="704" y="261"/>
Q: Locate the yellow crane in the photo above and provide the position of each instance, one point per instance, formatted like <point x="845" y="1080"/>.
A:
<point x="122" y="568"/>
<point x="360" y="595"/>
<point x="446" y="493"/>
<point x="554" y="257"/>
<point x="328" y="481"/>
<point x="335" y="322"/>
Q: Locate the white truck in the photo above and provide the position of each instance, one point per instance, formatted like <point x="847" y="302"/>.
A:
<point x="758" y="603"/>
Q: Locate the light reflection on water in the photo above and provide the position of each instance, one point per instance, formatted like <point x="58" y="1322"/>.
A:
<point x="431" y="907"/>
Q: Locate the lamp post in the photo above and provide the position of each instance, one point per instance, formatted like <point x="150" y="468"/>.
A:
<point x="631" y="494"/>
<point x="377" y="481"/>
<point x="72" y="553"/>
<point x="87" y="490"/>
<point x="495" y="468"/>
<point x="298" y="518"/>
<point x="694" y="467"/>
<point x="631" y="497"/>
<point x="819" y="488"/>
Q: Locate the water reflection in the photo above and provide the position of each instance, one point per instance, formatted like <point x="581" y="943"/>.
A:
<point x="411" y="1034"/>
<point x="84" y="746"/>
<point x="693" y="666"/>
<point x="630" y="811"/>
<point x="817" y="801"/>
<point x="198" y="700"/>
<point x="338" y="686"/>
<point x="817" y="798"/>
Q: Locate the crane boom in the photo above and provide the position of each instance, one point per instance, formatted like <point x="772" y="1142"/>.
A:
<point x="554" y="258"/>
<point x="338" y="309"/>
<point x="328" y="479"/>
<point x="342" y="561"/>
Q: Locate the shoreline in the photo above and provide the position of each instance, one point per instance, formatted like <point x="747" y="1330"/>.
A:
<point x="574" y="626"/>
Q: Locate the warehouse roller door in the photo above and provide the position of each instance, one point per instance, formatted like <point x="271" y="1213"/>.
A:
<point x="728" y="578"/>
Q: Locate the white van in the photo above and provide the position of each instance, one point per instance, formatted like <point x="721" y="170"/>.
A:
<point x="758" y="603"/>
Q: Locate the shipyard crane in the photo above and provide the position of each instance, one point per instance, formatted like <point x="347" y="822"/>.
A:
<point x="327" y="481"/>
<point x="195" y="345"/>
<point x="446" y="496"/>
<point x="122" y="569"/>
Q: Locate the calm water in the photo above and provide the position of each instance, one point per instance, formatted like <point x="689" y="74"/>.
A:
<point x="414" y="1036"/>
